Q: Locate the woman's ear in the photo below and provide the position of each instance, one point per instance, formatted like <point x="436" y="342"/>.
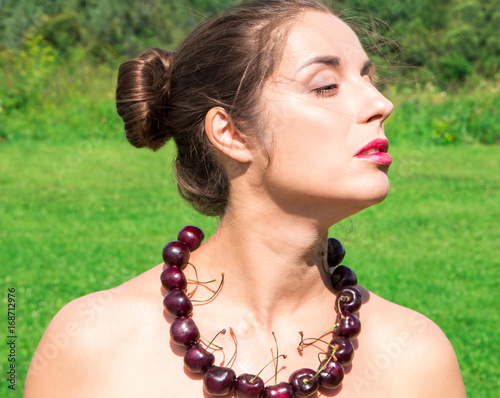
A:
<point x="224" y="135"/>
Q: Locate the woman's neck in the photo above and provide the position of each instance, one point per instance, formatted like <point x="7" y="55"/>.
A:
<point x="272" y="265"/>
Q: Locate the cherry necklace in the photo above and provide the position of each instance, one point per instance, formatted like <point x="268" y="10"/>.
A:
<point x="219" y="380"/>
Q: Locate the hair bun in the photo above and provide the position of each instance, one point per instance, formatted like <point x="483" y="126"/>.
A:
<point x="142" y="97"/>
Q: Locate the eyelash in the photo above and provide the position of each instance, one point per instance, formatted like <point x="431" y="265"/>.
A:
<point x="327" y="91"/>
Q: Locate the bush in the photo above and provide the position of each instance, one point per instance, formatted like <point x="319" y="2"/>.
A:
<point x="47" y="95"/>
<point x="454" y="68"/>
<point x="28" y="74"/>
<point x="62" y="31"/>
<point x="430" y="115"/>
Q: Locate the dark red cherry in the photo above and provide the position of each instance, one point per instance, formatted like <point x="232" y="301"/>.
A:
<point x="177" y="303"/>
<point x="348" y="298"/>
<point x="303" y="382"/>
<point x="280" y="390"/>
<point x="336" y="252"/>
<point x="349" y="325"/>
<point x="176" y="253"/>
<point x="343" y="276"/>
<point x="173" y="278"/>
<point x="219" y="380"/>
<point x="191" y="236"/>
<point x="342" y="349"/>
<point x="332" y="376"/>
<point x="197" y="359"/>
<point x="249" y="386"/>
<point x="184" y="331"/>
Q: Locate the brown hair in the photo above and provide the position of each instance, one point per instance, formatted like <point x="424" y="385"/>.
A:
<point x="224" y="62"/>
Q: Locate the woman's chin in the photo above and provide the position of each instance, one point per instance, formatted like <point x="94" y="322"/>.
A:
<point x="381" y="193"/>
<point x="370" y="196"/>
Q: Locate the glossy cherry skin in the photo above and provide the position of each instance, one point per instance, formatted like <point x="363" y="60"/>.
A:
<point x="191" y="236"/>
<point x="173" y="278"/>
<point x="349" y="325"/>
<point x="219" y="380"/>
<point x="303" y="382"/>
<point x="249" y="386"/>
<point x="177" y="303"/>
<point x="176" y="253"/>
<point x="280" y="390"/>
<point x="348" y="298"/>
<point x="336" y="252"/>
<point x="343" y="276"/>
<point x="197" y="359"/>
<point x="332" y="376"/>
<point x="184" y="331"/>
<point x="344" y="351"/>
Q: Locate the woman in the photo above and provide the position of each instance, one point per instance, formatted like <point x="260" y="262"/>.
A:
<point x="279" y="132"/>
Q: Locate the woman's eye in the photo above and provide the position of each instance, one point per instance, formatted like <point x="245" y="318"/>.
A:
<point x="327" y="91"/>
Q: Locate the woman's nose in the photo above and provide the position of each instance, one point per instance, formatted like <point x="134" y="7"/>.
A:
<point x="375" y="107"/>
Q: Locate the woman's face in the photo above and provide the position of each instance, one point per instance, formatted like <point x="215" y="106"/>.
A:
<point x="324" y="114"/>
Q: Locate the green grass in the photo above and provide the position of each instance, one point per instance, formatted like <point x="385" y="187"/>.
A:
<point x="88" y="215"/>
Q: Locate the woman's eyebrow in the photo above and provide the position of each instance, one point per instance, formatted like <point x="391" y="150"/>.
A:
<point x="367" y="68"/>
<point x="334" y="62"/>
<point x="328" y="60"/>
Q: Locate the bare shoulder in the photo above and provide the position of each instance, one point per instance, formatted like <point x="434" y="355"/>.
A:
<point x="79" y="343"/>
<point x="416" y="354"/>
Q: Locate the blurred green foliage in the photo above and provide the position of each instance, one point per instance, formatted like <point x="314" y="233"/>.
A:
<point x="58" y="62"/>
<point x="53" y="96"/>
<point x="124" y="27"/>
<point x="46" y="95"/>
<point x="448" y="39"/>
<point x="428" y="114"/>
<point x="33" y="67"/>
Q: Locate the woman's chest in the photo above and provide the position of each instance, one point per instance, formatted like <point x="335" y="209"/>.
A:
<point x="155" y="372"/>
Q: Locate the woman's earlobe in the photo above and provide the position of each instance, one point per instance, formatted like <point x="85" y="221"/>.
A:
<point x="225" y="136"/>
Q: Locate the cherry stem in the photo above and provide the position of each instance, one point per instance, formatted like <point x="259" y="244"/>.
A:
<point x="213" y="295"/>
<point x="191" y="294"/>
<point x="277" y="357"/>
<point x="209" y="343"/>
<point x="223" y="331"/>
<point x="314" y="340"/>
<point x="327" y="330"/>
<point x="267" y="381"/>
<point x="233" y="358"/>
<point x="332" y="354"/>
<point x="319" y="371"/>
<point x="270" y="362"/>
<point x="303" y="344"/>
<point x="201" y="283"/>
<point x="341" y="298"/>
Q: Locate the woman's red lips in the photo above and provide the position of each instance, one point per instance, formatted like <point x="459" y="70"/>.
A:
<point x="376" y="151"/>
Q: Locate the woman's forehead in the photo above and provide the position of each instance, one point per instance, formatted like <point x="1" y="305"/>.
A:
<point x="318" y="34"/>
